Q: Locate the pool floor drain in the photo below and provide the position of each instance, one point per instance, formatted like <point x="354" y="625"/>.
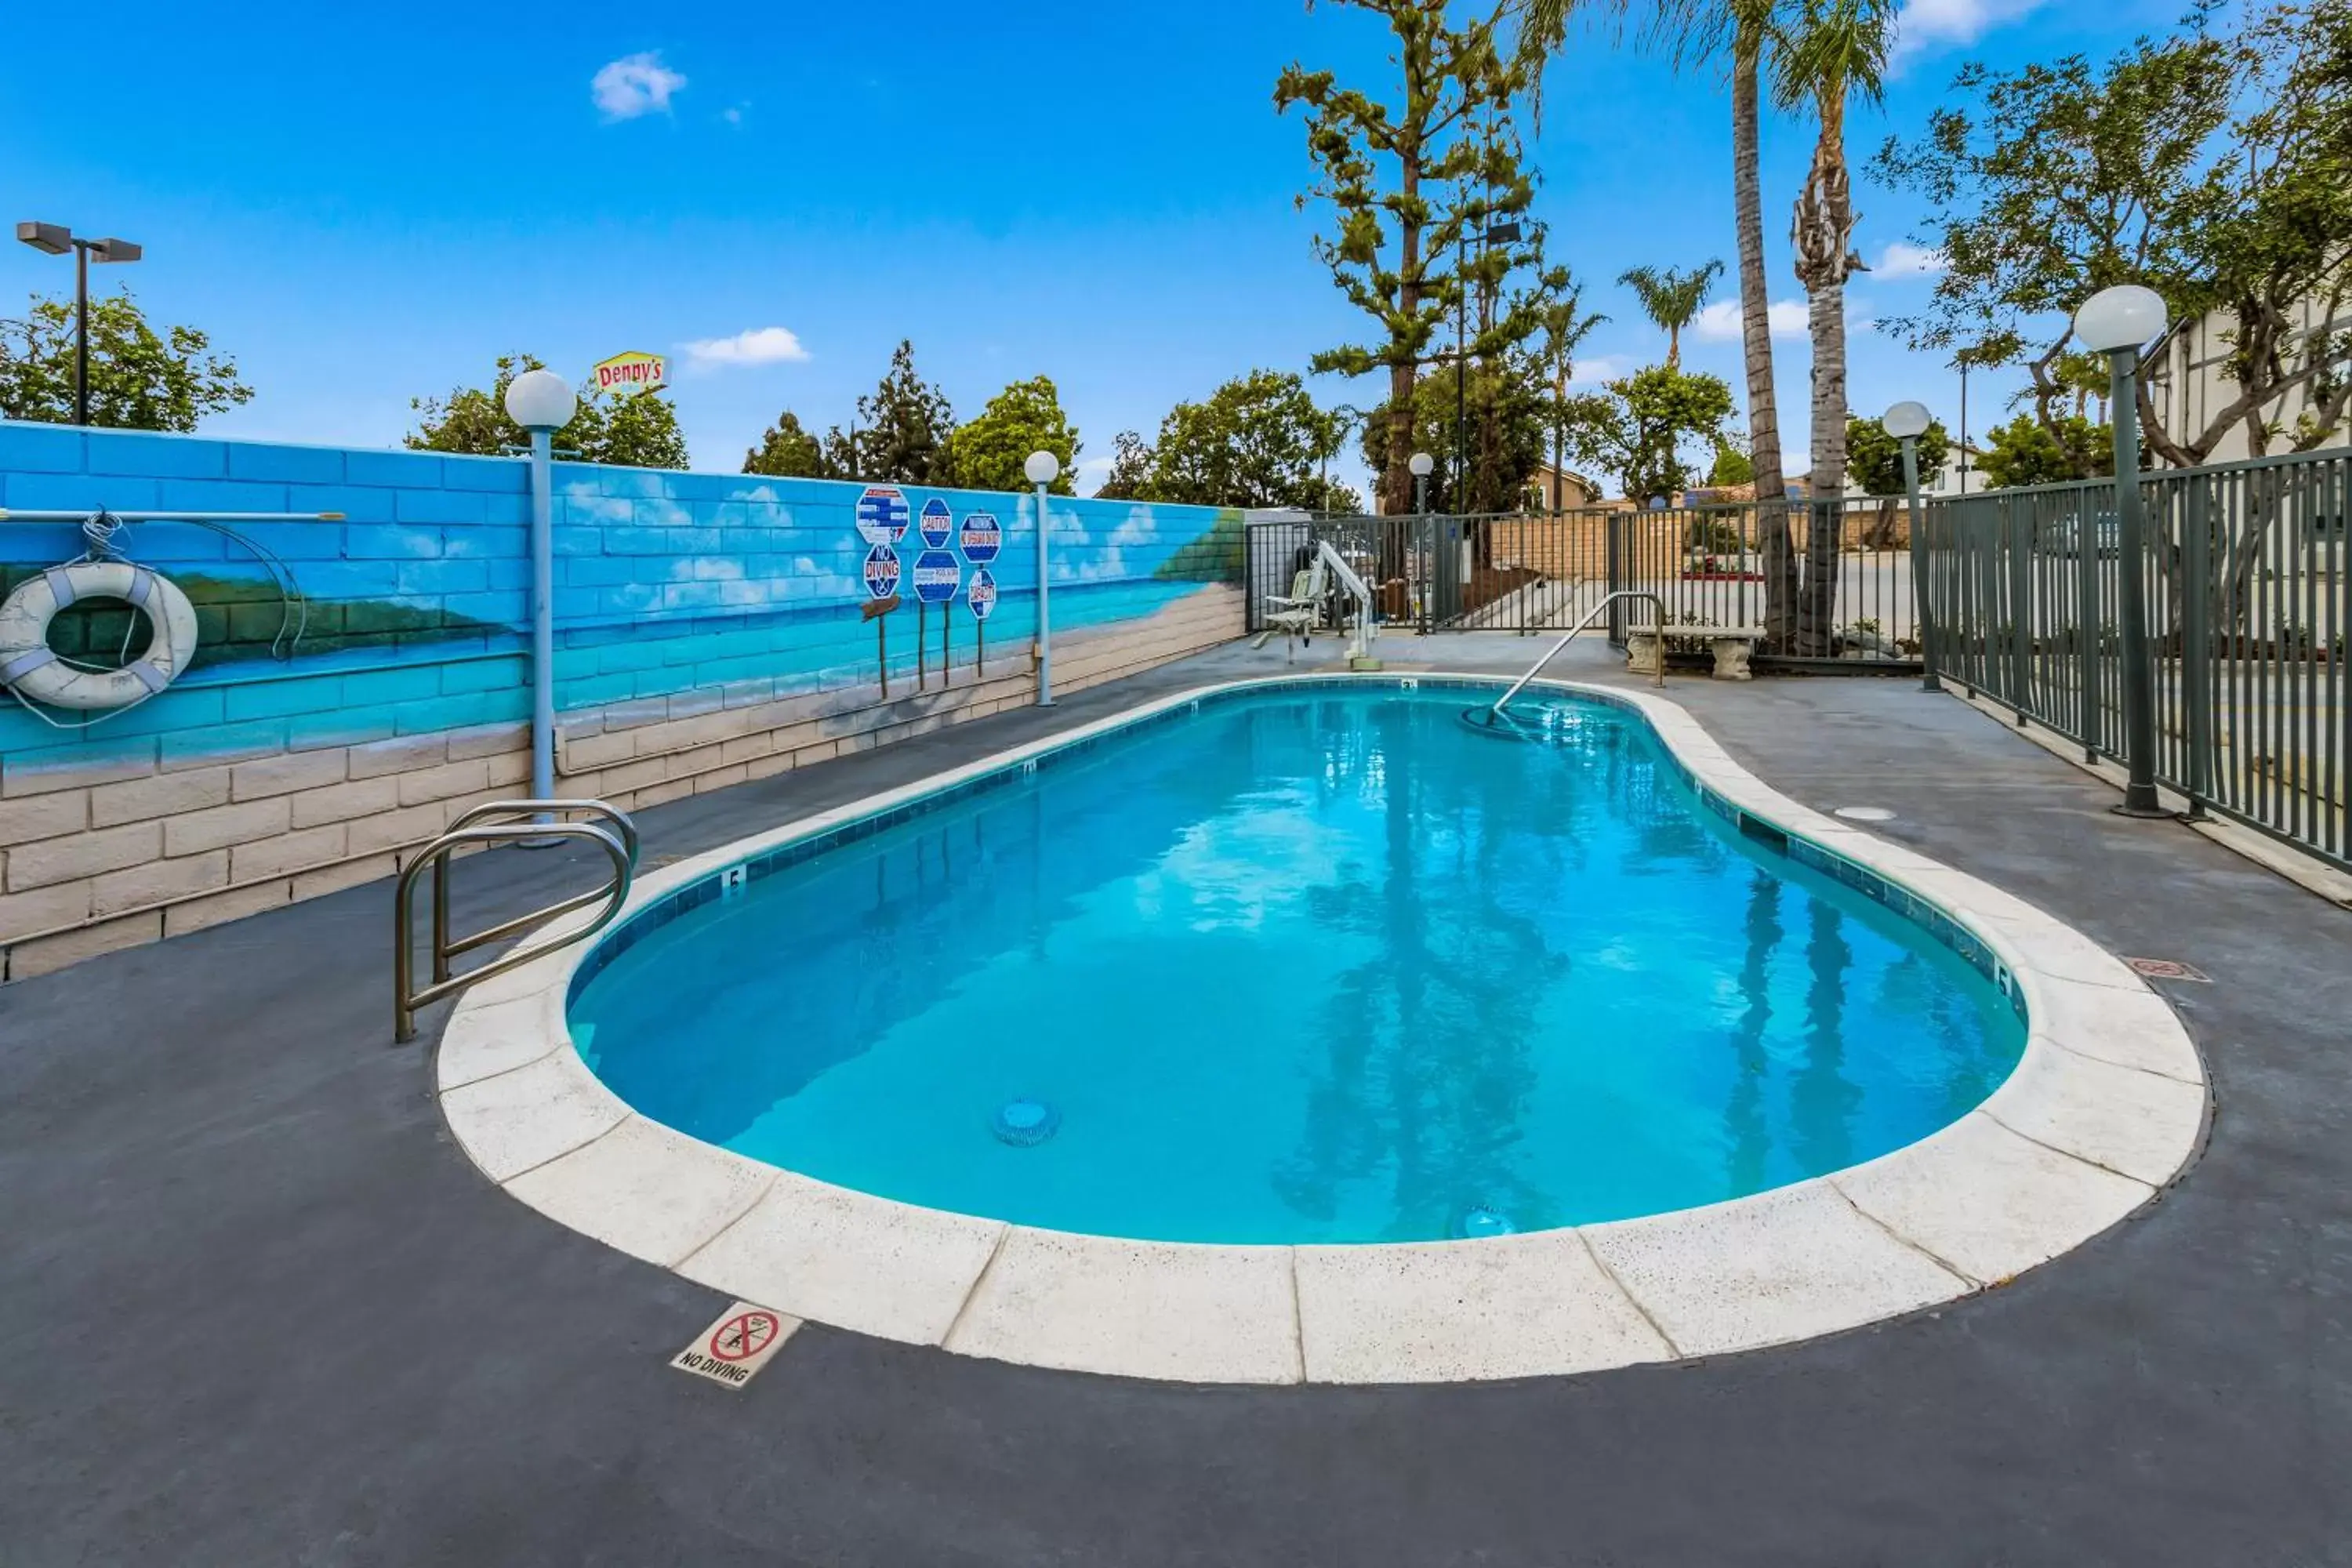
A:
<point x="1024" y="1123"/>
<point x="1478" y="1221"/>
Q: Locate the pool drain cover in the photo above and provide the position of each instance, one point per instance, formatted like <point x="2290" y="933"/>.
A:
<point x="1479" y="1221"/>
<point x="1024" y="1123"/>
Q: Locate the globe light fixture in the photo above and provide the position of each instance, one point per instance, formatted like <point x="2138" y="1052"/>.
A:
<point x="2125" y="317"/>
<point x="1421" y="463"/>
<point x="1907" y="421"/>
<point x="1042" y="468"/>
<point x="540" y="400"/>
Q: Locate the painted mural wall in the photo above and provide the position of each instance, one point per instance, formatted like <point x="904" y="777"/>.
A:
<point x="694" y="612"/>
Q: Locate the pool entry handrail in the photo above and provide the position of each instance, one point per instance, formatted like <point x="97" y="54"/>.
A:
<point x="498" y="822"/>
<point x="1590" y="617"/>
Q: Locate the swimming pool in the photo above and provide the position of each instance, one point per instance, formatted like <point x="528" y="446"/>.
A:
<point x="1306" y="964"/>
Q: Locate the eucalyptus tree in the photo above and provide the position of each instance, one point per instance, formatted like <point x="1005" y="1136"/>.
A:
<point x="1672" y="297"/>
<point x="1831" y="52"/>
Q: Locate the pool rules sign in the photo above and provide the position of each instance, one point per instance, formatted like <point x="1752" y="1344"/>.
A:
<point x="738" y="1345"/>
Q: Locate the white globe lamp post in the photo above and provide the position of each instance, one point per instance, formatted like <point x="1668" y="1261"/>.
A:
<point x="1042" y="468"/>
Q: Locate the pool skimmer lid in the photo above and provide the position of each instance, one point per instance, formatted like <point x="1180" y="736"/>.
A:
<point x="1024" y="1123"/>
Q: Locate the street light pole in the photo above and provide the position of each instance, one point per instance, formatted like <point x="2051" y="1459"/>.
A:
<point x="1907" y="422"/>
<point x="55" y="240"/>
<point x="1040" y="469"/>
<point x="2116" y="321"/>
<point x="542" y="403"/>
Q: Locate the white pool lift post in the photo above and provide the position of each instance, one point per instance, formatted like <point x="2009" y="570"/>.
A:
<point x="1359" y="644"/>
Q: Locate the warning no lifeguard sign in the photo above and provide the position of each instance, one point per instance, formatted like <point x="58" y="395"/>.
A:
<point x="738" y="1345"/>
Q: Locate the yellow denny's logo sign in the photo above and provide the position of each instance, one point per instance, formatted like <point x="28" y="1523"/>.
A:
<point x="632" y="372"/>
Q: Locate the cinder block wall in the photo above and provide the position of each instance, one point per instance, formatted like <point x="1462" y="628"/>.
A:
<point x="709" y="631"/>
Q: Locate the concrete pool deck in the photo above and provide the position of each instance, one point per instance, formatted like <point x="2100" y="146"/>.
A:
<point x="255" y="1306"/>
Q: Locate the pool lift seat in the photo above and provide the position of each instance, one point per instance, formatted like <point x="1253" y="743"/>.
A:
<point x="1294" y="613"/>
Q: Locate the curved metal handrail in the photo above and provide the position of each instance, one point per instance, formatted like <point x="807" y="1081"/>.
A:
<point x="406" y="997"/>
<point x="1590" y="617"/>
<point x="443" y="949"/>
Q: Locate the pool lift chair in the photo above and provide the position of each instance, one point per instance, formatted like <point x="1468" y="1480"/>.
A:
<point x="1296" y="614"/>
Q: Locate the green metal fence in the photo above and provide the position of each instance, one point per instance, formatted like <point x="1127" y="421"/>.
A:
<point x="2248" y="605"/>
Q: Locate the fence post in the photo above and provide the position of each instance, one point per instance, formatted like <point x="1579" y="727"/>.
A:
<point x="2021" y="611"/>
<point x="2196" y="648"/>
<point x="2088" y="634"/>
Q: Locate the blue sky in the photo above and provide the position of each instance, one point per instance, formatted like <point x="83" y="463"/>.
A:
<point x="366" y="204"/>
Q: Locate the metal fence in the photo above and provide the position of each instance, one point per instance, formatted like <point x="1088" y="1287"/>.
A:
<point x="2248" y="605"/>
<point x="1833" y="583"/>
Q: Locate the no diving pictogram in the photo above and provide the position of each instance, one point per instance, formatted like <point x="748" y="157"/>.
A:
<point x="745" y="1335"/>
<point x="736" y="1345"/>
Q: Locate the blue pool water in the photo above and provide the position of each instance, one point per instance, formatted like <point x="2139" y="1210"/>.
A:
<point x="1307" y="967"/>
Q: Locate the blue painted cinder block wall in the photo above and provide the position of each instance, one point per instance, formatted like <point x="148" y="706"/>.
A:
<point x="416" y="603"/>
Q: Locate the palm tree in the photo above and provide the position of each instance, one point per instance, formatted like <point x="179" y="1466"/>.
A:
<point x="1740" y="34"/>
<point x="1833" y="51"/>
<point x="1564" y="331"/>
<point x="1672" y="298"/>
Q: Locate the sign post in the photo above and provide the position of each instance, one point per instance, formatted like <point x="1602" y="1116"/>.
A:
<point x="881" y="573"/>
<point x="982" y="537"/>
<point x="937" y="575"/>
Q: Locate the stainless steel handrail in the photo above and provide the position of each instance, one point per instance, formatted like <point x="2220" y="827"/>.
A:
<point x="1590" y="617"/>
<point x="620" y="847"/>
<point x="444" y="949"/>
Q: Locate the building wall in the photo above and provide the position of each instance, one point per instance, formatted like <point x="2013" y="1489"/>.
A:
<point x="2191" y="384"/>
<point x="710" y="630"/>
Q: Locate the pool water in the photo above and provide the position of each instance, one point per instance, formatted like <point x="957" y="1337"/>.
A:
<point x="1306" y="966"/>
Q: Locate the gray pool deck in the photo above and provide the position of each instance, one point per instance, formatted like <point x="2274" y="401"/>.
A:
<point x="255" y="1307"/>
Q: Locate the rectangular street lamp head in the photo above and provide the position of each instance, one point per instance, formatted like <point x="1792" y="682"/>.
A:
<point x="114" y="250"/>
<point x="1503" y="233"/>
<point x="53" y="237"/>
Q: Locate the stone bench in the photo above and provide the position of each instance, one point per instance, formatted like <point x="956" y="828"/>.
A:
<point x="1645" y="648"/>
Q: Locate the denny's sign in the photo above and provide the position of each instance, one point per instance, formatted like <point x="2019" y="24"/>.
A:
<point x="632" y="372"/>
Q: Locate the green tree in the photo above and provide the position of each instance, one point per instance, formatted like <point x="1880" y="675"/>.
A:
<point x="1732" y="467"/>
<point x="1836" y="51"/>
<point x="1257" y="441"/>
<point x="1672" y="298"/>
<point x="2029" y="450"/>
<point x="1027" y="416"/>
<point x="1516" y="413"/>
<point x="637" y="430"/>
<point x="1130" y="469"/>
<point x="1739" y="37"/>
<point x="1407" y="179"/>
<point x="787" y="451"/>
<point x="140" y="379"/>
<point x="1636" y="427"/>
<point x="904" y="432"/>
<point x="2214" y="170"/>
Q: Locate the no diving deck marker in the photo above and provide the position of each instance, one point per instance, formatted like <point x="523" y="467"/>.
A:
<point x="738" y="1345"/>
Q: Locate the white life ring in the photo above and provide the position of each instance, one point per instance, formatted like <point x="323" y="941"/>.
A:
<point x="33" y="668"/>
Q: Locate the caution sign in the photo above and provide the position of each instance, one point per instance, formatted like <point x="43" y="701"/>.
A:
<point x="737" y="1346"/>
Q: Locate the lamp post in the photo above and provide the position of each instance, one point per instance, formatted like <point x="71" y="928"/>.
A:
<point x="1421" y="463"/>
<point x="542" y="402"/>
<point x="2115" y="322"/>
<point x="1041" y="469"/>
<point x="55" y="240"/>
<point x="1907" y="422"/>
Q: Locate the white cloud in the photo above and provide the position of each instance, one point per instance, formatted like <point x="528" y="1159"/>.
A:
<point x="635" y="85"/>
<point x="733" y="116"/>
<point x="1901" y="259"/>
<point x="1927" y="24"/>
<point x="1600" y="369"/>
<point x="1719" y="322"/>
<point x="754" y="345"/>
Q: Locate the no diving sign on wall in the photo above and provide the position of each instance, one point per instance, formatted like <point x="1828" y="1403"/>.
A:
<point x="738" y="1345"/>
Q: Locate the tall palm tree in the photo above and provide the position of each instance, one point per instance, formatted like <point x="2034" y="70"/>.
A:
<point x="1738" y="35"/>
<point x="1564" y="331"/>
<point x="1833" y="51"/>
<point x="1672" y="298"/>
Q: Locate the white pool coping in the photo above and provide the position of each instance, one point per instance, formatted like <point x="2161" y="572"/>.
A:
<point x="2105" y="1106"/>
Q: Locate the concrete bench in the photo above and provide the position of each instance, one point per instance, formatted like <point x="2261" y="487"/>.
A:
<point x="1645" y="648"/>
